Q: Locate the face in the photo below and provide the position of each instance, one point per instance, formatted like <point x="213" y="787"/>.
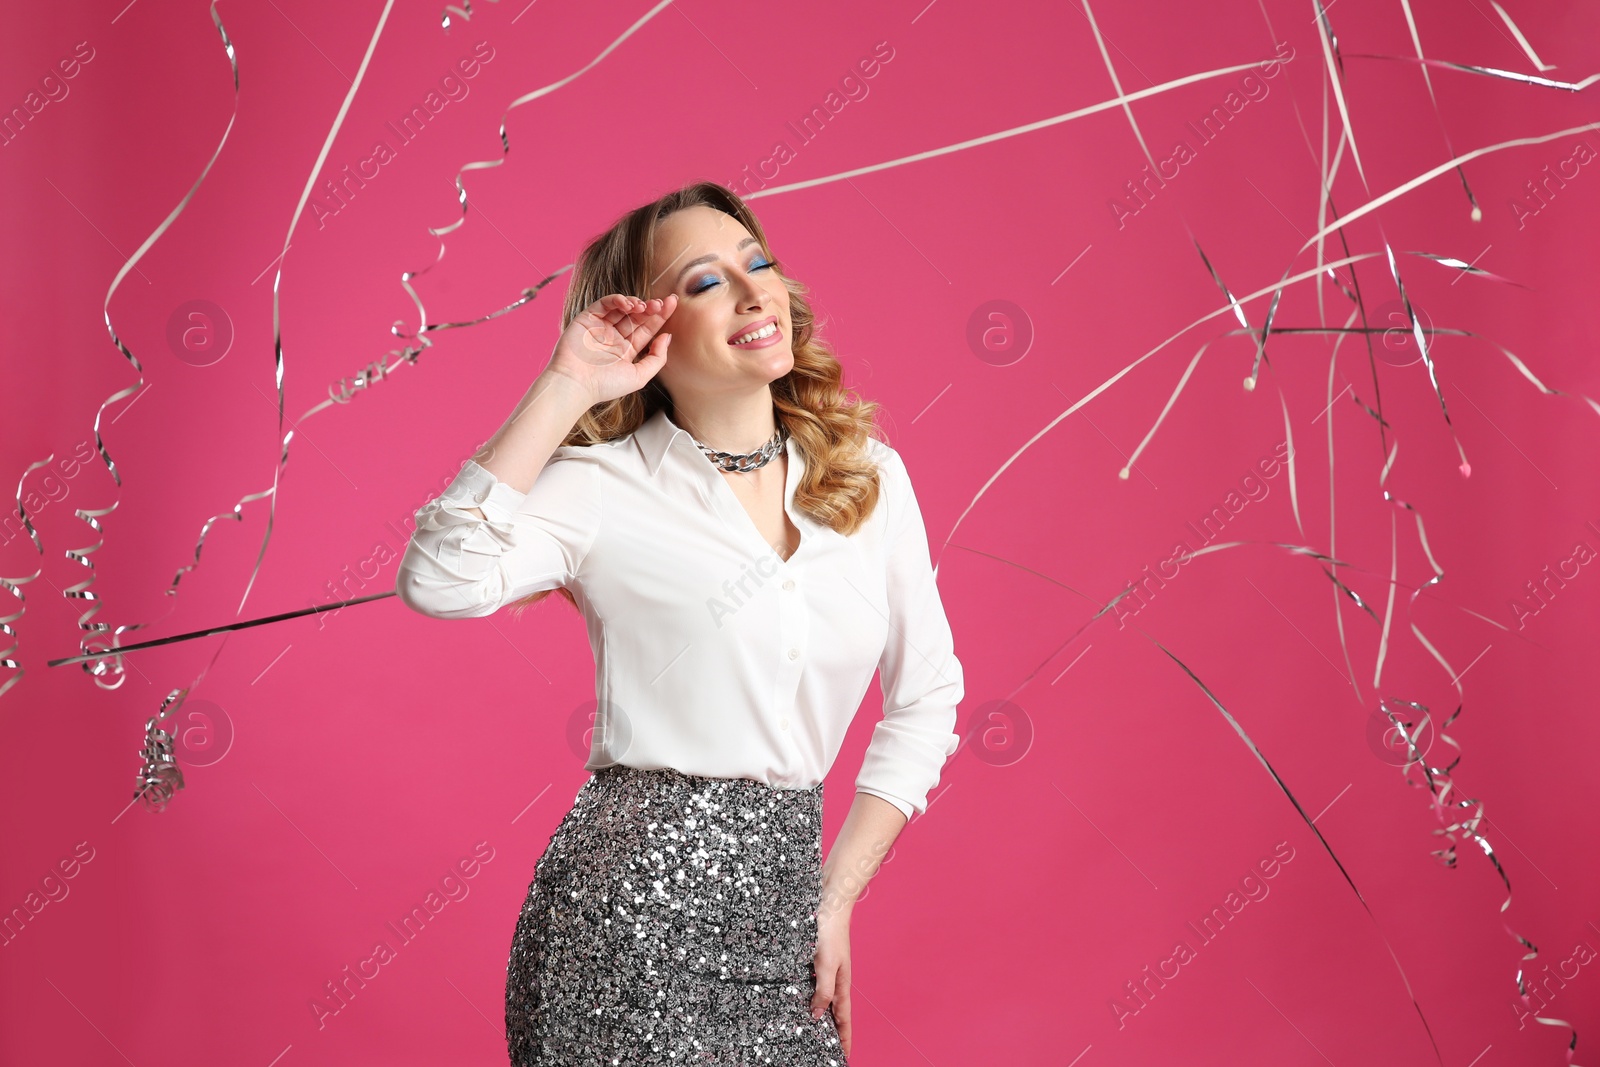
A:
<point x="726" y="289"/>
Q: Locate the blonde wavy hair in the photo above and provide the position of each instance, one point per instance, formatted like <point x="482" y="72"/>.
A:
<point x="829" y="424"/>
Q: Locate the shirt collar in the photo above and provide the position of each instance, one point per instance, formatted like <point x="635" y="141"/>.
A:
<point x="657" y="433"/>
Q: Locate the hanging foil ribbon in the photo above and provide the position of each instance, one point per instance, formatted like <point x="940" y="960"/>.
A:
<point x="343" y="391"/>
<point x="102" y="669"/>
<point x="505" y="150"/>
<point x="159" y="776"/>
<point x="160" y="772"/>
<point x="1421" y="334"/>
<point x="1441" y="783"/>
<point x="465" y="11"/>
<point x="346" y="389"/>
<point x="277" y="311"/>
<point x="1277" y="779"/>
<point x="14" y="586"/>
<point x="104" y="661"/>
<point x="101" y="661"/>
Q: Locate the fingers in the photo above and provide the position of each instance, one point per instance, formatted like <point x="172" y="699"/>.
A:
<point x="613" y="308"/>
<point x="649" y="315"/>
<point x="618" y="306"/>
<point x="647" y="318"/>
<point x="653" y="359"/>
<point x="635" y="320"/>
<point x="823" y="996"/>
<point x="841" y="1015"/>
<point x="824" y="970"/>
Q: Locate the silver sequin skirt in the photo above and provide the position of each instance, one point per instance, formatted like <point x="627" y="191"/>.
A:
<point x="672" y="920"/>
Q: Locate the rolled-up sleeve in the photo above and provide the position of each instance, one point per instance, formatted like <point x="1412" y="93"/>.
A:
<point x="920" y="676"/>
<point x="458" y="566"/>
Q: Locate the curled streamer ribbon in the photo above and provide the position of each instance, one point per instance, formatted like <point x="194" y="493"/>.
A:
<point x="14" y="586"/>
<point x="105" y="661"/>
<point x="1437" y="777"/>
<point x="1439" y="784"/>
<point x="1277" y="779"/>
<point x="101" y="668"/>
<point x="277" y="316"/>
<point x="1336" y="73"/>
<point x="346" y="387"/>
<point x="159" y="776"/>
<point x="465" y="11"/>
<point x="505" y="150"/>
<point x="344" y="390"/>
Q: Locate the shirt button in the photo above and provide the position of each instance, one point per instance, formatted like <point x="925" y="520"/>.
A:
<point x="794" y="653"/>
<point x="783" y="723"/>
<point x="788" y="583"/>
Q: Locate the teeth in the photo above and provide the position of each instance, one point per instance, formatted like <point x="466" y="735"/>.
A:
<point x="766" y="331"/>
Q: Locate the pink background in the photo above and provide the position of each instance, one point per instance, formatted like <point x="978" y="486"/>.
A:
<point x="339" y="766"/>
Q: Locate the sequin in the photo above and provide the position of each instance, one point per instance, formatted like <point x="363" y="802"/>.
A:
<point x="672" y="920"/>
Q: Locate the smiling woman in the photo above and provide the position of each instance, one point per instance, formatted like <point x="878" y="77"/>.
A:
<point x="746" y="552"/>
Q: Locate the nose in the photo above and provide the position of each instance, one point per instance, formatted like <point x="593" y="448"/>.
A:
<point x="751" y="295"/>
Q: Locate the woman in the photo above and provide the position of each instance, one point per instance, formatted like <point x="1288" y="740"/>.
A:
<point x="745" y="555"/>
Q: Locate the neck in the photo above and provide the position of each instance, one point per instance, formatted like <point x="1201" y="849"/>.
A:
<point x="729" y="424"/>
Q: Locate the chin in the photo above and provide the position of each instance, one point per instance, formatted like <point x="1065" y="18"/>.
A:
<point x="782" y="363"/>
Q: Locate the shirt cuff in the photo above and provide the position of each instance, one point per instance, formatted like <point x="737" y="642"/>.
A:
<point x="474" y="487"/>
<point x="904" y="808"/>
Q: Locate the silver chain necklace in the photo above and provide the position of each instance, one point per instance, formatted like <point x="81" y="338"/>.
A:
<point x="746" y="461"/>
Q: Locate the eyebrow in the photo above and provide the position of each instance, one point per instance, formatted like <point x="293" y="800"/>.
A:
<point x="708" y="259"/>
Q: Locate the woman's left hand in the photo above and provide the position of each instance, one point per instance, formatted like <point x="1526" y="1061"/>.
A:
<point x="832" y="967"/>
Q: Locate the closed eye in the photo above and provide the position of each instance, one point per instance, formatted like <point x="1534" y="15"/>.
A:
<point x="711" y="280"/>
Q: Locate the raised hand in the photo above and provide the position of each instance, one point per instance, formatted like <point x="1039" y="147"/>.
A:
<point x="614" y="346"/>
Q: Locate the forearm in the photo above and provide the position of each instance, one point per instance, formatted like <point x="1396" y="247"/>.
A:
<point x="544" y="416"/>
<point x="868" y="833"/>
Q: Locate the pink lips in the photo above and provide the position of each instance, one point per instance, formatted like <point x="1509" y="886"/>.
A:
<point x="777" y="335"/>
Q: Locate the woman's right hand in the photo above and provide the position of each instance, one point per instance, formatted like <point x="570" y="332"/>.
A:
<point x="604" y="350"/>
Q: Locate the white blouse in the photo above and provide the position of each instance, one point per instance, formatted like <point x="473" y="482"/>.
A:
<point x="713" y="655"/>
